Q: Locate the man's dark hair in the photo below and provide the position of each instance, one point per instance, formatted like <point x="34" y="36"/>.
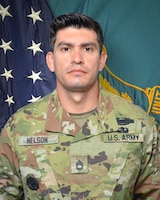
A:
<point x="77" y="21"/>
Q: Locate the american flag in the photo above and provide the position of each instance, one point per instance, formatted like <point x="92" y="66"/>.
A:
<point x="24" y="42"/>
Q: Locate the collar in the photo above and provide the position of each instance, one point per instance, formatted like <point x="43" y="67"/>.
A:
<point x="102" y="120"/>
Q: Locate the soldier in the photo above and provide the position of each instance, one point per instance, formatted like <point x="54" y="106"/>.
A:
<point x="80" y="142"/>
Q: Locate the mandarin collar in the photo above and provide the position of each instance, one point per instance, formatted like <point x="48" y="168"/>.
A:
<point x="59" y="120"/>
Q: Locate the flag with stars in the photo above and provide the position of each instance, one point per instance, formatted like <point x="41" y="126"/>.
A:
<point x="24" y="41"/>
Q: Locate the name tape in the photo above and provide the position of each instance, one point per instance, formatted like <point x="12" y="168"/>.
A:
<point x="37" y="140"/>
<point x="111" y="137"/>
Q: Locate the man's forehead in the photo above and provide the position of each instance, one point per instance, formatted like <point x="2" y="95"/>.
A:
<point x="75" y="31"/>
<point x="79" y="35"/>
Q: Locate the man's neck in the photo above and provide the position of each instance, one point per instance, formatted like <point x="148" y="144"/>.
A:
<point x="79" y="102"/>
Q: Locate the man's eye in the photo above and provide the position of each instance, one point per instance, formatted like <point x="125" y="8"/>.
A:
<point x="88" y="49"/>
<point x="65" y="49"/>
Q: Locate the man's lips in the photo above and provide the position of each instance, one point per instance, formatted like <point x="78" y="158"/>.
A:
<point x="77" y="71"/>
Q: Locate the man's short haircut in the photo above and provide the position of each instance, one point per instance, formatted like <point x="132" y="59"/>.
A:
<point x="75" y="20"/>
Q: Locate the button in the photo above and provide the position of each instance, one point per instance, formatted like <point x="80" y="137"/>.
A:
<point x="32" y="183"/>
<point x="123" y="130"/>
<point x="120" y="130"/>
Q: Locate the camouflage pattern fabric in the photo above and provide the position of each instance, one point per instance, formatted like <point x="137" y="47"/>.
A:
<point x="45" y="155"/>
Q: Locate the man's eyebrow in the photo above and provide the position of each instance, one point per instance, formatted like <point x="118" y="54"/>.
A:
<point x="89" y="44"/>
<point x="84" y="44"/>
<point x="64" y="44"/>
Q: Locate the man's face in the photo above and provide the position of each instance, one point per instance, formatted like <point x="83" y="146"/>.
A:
<point x="76" y="59"/>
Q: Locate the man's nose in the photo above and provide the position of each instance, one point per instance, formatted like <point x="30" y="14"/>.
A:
<point x="77" y="56"/>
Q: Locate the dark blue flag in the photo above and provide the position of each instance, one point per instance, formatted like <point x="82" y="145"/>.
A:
<point x="24" y="41"/>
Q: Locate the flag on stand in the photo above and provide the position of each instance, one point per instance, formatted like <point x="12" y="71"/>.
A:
<point x="24" y="41"/>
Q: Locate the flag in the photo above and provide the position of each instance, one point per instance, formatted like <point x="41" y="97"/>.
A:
<point x="24" y="42"/>
<point x="131" y="37"/>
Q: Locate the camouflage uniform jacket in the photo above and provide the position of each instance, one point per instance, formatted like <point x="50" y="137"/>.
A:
<point x="45" y="155"/>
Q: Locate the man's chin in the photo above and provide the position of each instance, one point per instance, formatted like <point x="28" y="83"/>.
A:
<point x="80" y="88"/>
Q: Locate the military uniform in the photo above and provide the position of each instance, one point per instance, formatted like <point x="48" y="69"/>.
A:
<point x="45" y="154"/>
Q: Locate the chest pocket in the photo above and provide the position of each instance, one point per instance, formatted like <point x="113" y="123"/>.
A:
<point x="126" y="161"/>
<point x="38" y="176"/>
<point x="125" y="168"/>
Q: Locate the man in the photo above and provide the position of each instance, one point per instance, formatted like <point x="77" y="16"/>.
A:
<point x="80" y="142"/>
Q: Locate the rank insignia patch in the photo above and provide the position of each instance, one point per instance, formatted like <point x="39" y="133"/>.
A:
<point x="79" y="164"/>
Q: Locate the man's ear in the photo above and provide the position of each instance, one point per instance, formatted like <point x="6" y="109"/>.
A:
<point x="50" y="61"/>
<point x="103" y="59"/>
